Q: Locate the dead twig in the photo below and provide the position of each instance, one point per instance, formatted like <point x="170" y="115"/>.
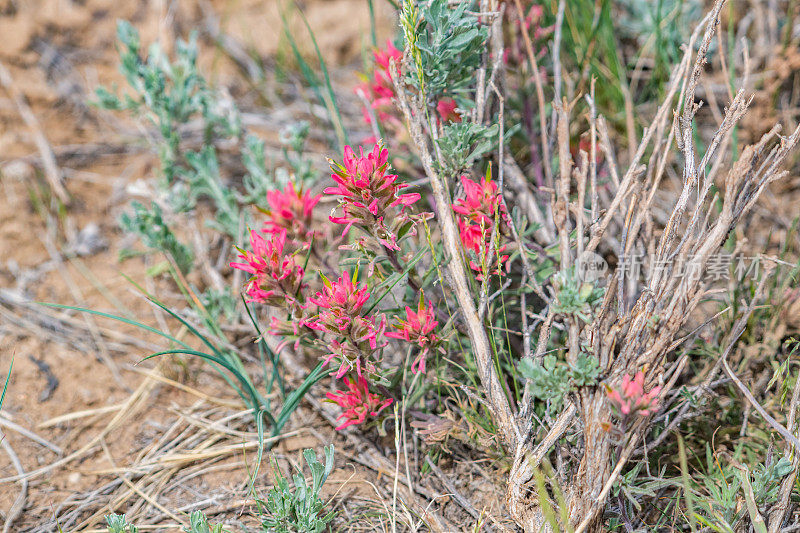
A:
<point x="785" y="433"/>
<point x="19" y="502"/>
<point x="458" y="277"/>
<point x="51" y="171"/>
<point x="451" y="488"/>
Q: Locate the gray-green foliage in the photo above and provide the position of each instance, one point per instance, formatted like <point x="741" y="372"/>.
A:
<point x="118" y="524"/>
<point x="766" y="479"/>
<point x="219" y="304"/>
<point x="574" y="296"/>
<point x="298" y="508"/>
<point x="198" y="523"/>
<point x="585" y="371"/>
<point x="204" y="180"/>
<point x="168" y="94"/>
<point x="552" y="380"/>
<point x="721" y="491"/>
<point x="155" y="233"/>
<point x="258" y="180"/>
<point x="448" y="45"/>
<point x="549" y="381"/>
<point x="293" y="138"/>
<point x="462" y="143"/>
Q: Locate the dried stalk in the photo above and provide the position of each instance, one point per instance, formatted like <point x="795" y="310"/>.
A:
<point x="495" y="393"/>
<point x="639" y="323"/>
<point x="19" y="503"/>
<point x="625" y="339"/>
<point x="778" y="511"/>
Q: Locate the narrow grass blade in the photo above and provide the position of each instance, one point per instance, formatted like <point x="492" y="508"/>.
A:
<point x="255" y="398"/>
<point x="329" y="100"/>
<point x="341" y="131"/>
<point x="293" y="400"/>
<point x="273" y="357"/>
<point x="118" y="319"/>
<point x="687" y="490"/>
<point x="8" y="379"/>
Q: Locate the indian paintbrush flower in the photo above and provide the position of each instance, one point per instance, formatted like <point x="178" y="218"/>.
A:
<point x="418" y="329"/>
<point x="477" y="210"/>
<point x="276" y="278"/>
<point x="341" y="313"/>
<point x="292" y="211"/>
<point x="342" y="301"/>
<point x="369" y="194"/>
<point x="630" y="398"/>
<point x="481" y="201"/>
<point x="358" y="403"/>
<point x="379" y="91"/>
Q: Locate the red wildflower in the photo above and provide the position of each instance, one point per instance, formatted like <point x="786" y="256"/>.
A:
<point x="292" y="211"/>
<point x="341" y="313"/>
<point x="276" y="279"/>
<point x="382" y="57"/>
<point x="368" y="193"/>
<point x="418" y="328"/>
<point x="631" y="398"/>
<point x="379" y="91"/>
<point x="476" y="238"/>
<point x="447" y="110"/>
<point x="478" y="209"/>
<point x="481" y="201"/>
<point x="357" y="402"/>
<point x="343" y="301"/>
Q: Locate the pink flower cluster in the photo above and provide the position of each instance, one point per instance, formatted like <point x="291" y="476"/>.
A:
<point x="418" y="329"/>
<point x="630" y="398"/>
<point x="481" y="201"/>
<point x="357" y="402"/>
<point x="341" y="312"/>
<point x="291" y="211"/>
<point x="369" y="194"/>
<point x="379" y="91"/>
<point x="276" y="278"/>
<point x="477" y="210"/>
